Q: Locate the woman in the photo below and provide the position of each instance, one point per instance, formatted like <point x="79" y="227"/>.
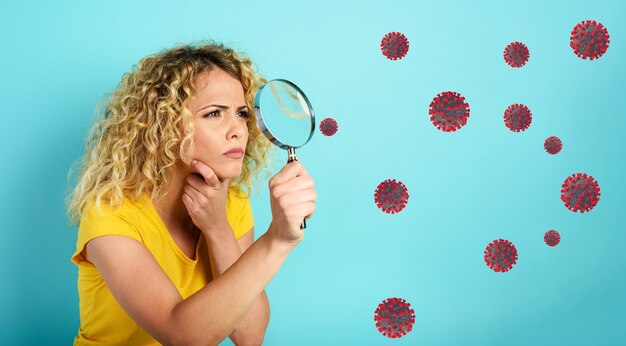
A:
<point x="165" y="248"/>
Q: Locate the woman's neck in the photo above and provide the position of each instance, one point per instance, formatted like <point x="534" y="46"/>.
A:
<point x="171" y="207"/>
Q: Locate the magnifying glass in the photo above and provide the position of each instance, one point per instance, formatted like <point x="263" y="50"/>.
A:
<point x="281" y="106"/>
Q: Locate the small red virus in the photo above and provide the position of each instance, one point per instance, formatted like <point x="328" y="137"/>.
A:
<point x="394" y="45"/>
<point x="589" y="39"/>
<point x="553" y="145"/>
<point x="394" y="317"/>
<point x="517" y="117"/>
<point x="448" y="111"/>
<point x="500" y="255"/>
<point x="328" y="126"/>
<point x="552" y="238"/>
<point x="580" y="192"/>
<point x="391" y="196"/>
<point x="516" y="54"/>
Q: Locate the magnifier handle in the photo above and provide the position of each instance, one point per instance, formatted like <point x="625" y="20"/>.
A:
<point x="292" y="157"/>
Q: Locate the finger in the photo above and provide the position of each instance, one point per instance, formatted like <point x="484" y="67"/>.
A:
<point x="300" y="197"/>
<point x="194" y="194"/>
<point x="289" y="171"/>
<point x="187" y="201"/>
<point x="303" y="172"/>
<point x="295" y="184"/>
<point x="207" y="173"/>
<point x="196" y="182"/>
<point x="306" y="209"/>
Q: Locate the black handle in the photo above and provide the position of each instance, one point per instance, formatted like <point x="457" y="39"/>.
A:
<point x="292" y="157"/>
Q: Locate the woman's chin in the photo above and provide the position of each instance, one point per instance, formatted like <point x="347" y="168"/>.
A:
<point x="231" y="174"/>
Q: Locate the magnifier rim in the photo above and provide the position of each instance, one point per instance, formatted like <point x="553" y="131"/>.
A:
<point x="263" y="126"/>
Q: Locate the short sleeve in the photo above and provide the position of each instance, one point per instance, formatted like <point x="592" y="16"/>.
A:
<point x="106" y="221"/>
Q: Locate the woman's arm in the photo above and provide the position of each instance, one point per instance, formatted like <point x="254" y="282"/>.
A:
<point x="223" y="252"/>
<point x="205" y="318"/>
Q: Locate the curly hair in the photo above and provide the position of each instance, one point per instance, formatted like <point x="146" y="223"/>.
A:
<point x="147" y="127"/>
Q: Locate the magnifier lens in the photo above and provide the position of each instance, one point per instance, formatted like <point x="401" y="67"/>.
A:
<point x="285" y="113"/>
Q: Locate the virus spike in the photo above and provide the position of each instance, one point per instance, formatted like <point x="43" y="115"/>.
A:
<point x="516" y="54"/>
<point x="394" y="317"/>
<point x="391" y="196"/>
<point x="394" y="45"/>
<point x="517" y="117"/>
<point x="553" y="145"/>
<point x="552" y="238"/>
<point x="328" y="126"/>
<point x="500" y="255"/>
<point x="580" y="192"/>
<point x="448" y="111"/>
<point x="589" y="39"/>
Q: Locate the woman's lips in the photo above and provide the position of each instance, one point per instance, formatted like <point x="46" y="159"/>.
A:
<point x="234" y="154"/>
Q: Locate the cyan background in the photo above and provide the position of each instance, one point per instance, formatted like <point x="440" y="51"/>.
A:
<point x="466" y="188"/>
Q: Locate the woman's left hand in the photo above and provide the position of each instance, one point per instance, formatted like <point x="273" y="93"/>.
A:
<point x="205" y="199"/>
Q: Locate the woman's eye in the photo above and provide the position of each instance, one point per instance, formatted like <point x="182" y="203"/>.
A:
<point x="245" y="114"/>
<point x="212" y="114"/>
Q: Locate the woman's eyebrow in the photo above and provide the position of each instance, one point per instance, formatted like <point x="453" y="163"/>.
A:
<point x="222" y="107"/>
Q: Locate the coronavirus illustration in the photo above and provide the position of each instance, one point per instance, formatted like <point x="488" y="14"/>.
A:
<point x="553" y="145"/>
<point x="391" y="196"/>
<point x="580" y="192"/>
<point x="552" y="238"/>
<point x="394" y="45"/>
<point x="517" y="117"/>
<point x="500" y="255"/>
<point x="328" y="126"/>
<point x="448" y="111"/>
<point x="394" y="317"/>
<point x="516" y="54"/>
<point x="589" y="39"/>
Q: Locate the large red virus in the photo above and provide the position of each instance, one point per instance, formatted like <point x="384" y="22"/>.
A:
<point x="448" y="111"/>
<point x="517" y="117"/>
<point x="580" y="192"/>
<point x="552" y="238"/>
<point x="394" y="45"/>
<point x="328" y="126"/>
<point x="516" y="54"/>
<point x="589" y="39"/>
<point x="500" y="255"/>
<point x="394" y="317"/>
<point x="391" y="196"/>
<point x="553" y="145"/>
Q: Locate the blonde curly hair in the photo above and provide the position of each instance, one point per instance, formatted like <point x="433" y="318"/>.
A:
<point x="147" y="127"/>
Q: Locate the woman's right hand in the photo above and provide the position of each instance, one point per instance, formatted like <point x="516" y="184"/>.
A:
<point x="292" y="199"/>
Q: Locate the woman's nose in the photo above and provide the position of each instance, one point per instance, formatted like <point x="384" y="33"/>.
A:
<point x="235" y="126"/>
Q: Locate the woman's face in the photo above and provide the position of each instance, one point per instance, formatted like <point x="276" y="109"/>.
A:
<point x="220" y="121"/>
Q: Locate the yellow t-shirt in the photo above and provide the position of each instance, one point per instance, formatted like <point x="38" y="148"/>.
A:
<point x="102" y="319"/>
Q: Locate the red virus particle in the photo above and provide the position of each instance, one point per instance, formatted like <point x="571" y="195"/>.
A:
<point x="552" y="238"/>
<point x="448" y="111"/>
<point x="517" y="117"/>
<point x="328" y="126"/>
<point x="553" y="145"/>
<point x="394" y="317"/>
<point x="394" y="45"/>
<point x="500" y="255"/>
<point x="391" y="196"/>
<point x="589" y="39"/>
<point x="516" y="54"/>
<point x="580" y="192"/>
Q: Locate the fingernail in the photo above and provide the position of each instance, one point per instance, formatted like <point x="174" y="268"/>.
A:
<point x="194" y="162"/>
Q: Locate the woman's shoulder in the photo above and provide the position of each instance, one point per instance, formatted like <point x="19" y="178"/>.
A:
<point x="237" y="193"/>
<point x="127" y="209"/>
